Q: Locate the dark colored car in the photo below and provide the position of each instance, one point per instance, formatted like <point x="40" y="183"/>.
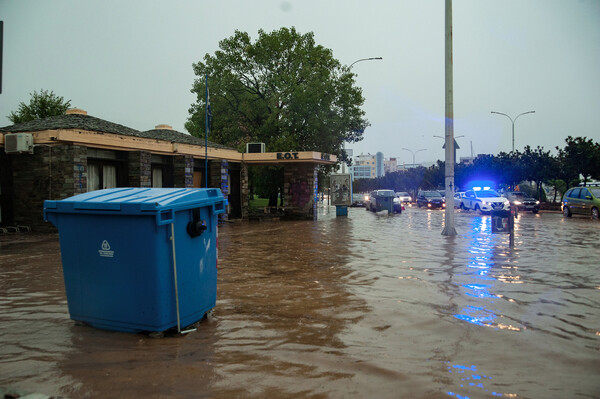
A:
<point x="582" y="201"/>
<point x="430" y="199"/>
<point x="522" y="201"/>
<point x="398" y="205"/>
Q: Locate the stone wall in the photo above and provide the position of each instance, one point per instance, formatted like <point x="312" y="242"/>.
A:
<point x="183" y="171"/>
<point x="51" y="172"/>
<point x="244" y="191"/>
<point x="218" y="177"/>
<point x="140" y="169"/>
<point x="300" y="186"/>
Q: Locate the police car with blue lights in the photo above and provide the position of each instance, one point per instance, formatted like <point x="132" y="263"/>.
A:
<point x="484" y="199"/>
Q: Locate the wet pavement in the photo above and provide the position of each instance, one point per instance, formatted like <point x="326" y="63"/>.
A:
<point x="379" y="306"/>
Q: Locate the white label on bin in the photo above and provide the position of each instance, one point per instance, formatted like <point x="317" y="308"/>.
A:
<point x="105" y="251"/>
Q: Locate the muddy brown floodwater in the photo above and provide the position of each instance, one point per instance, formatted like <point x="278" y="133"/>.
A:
<point x="364" y="306"/>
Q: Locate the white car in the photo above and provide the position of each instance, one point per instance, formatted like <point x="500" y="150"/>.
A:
<point x="404" y="197"/>
<point x="484" y="201"/>
<point x="458" y="199"/>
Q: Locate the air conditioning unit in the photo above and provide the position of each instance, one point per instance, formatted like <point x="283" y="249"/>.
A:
<point x="18" y="143"/>
<point x="255" y="147"/>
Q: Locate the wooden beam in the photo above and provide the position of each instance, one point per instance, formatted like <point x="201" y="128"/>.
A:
<point x="111" y="141"/>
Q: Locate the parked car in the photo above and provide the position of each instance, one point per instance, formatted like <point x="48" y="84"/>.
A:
<point x="404" y="197"/>
<point x="380" y="200"/>
<point x="430" y="199"/>
<point x="522" y="201"/>
<point x="484" y="201"/>
<point x="458" y="199"/>
<point x="582" y="200"/>
<point x="358" y="200"/>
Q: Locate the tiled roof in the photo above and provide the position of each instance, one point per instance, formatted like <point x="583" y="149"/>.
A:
<point x="91" y="123"/>
<point x="177" y="137"/>
<point x="72" y="121"/>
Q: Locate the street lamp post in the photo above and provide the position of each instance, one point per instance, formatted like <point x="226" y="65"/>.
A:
<point x="449" y="229"/>
<point x="350" y="67"/>
<point x="413" y="152"/>
<point x="513" y="124"/>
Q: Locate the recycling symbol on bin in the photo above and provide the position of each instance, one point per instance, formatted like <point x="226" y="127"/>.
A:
<point x="105" y="251"/>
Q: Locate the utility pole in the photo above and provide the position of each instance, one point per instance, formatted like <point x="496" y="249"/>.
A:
<point x="449" y="229"/>
<point x="350" y="67"/>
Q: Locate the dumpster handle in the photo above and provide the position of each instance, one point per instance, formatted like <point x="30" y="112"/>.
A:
<point x="176" y="288"/>
<point x="165" y="217"/>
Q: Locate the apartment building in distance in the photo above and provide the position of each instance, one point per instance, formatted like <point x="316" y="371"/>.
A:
<point x="364" y="166"/>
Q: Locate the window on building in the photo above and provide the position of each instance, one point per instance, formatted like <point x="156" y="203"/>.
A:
<point x="101" y="175"/>
<point x="106" y="169"/>
<point x="93" y="177"/>
<point x="109" y="176"/>
<point x="162" y="171"/>
<point x="157" y="177"/>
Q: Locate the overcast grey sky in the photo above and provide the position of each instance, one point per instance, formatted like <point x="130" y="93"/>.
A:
<point x="130" y="62"/>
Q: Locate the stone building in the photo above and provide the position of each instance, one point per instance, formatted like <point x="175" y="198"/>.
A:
<point x="61" y="156"/>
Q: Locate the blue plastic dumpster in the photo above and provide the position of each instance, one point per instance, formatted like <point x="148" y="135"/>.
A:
<point x="139" y="259"/>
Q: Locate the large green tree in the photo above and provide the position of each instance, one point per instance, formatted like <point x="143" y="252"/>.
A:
<point x="282" y="89"/>
<point x="580" y="156"/>
<point x="41" y="105"/>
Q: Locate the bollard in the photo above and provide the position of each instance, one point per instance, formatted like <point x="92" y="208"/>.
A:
<point x="514" y="214"/>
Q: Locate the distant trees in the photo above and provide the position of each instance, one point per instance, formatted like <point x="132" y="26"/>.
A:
<point x="41" y="105"/>
<point x="580" y="157"/>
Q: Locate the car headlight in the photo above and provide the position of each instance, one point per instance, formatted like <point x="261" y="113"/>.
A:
<point x="518" y="203"/>
<point x="537" y="202"/>
<point x="484" y="203"/>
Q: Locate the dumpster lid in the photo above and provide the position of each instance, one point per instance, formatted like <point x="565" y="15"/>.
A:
<point x="133" y="199"/>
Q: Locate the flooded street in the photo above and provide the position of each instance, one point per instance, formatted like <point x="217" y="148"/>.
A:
<point x="378" y="306"/>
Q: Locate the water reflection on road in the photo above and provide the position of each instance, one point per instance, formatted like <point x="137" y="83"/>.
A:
<point x="367" y="305"/>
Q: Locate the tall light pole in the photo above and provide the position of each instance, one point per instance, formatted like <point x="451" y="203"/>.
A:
<point x="413" y="152"/>
<point x="513" y="124"/>
<point x="449" y="229"/>
<point x="350" y="67"/>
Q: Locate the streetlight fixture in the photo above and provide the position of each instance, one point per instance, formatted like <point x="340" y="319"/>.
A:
<point x="413" y="152"/>
<point x="365" y="59"/>
<point x="513" y="124"/>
